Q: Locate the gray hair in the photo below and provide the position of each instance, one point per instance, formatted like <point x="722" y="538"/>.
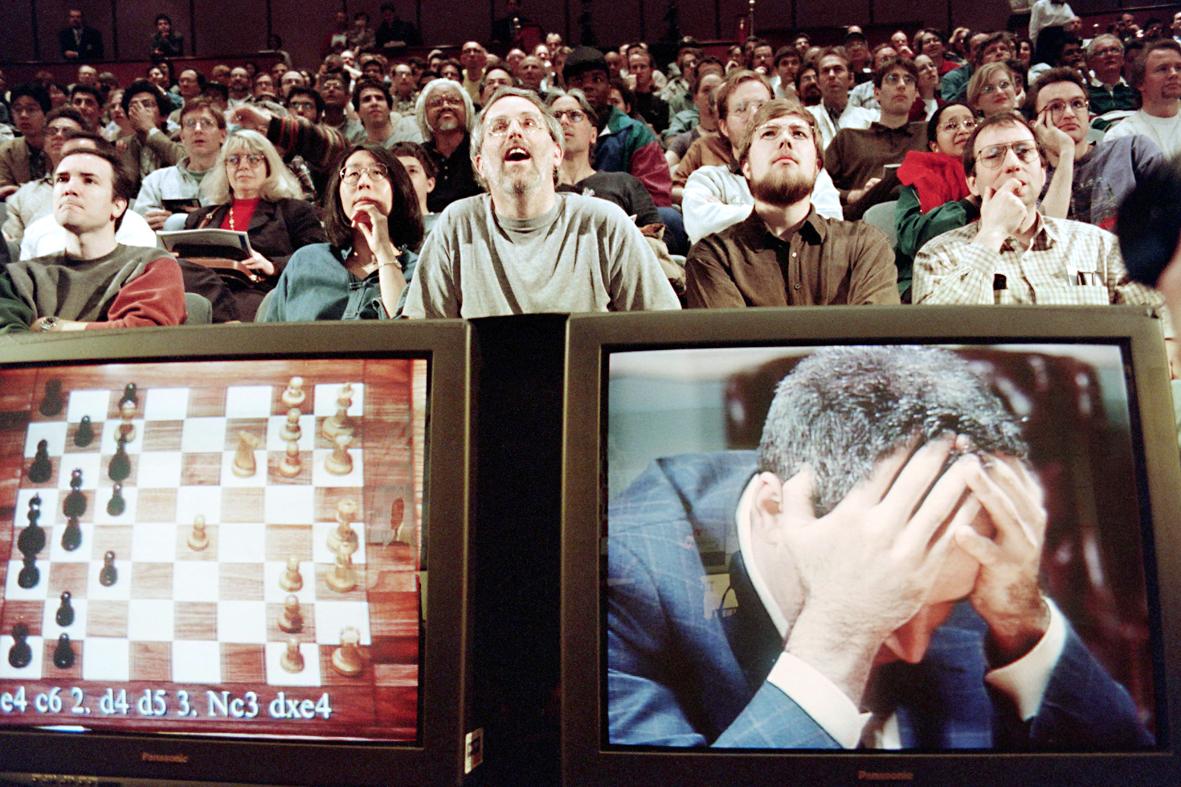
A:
<point x="279" y="183"/>
<point x="578" y="96"/>
<point x="1100" y="40"/>
<point x="551" y="123"/>
<point x="435" y="86"/>
<point x="843" y="409"/>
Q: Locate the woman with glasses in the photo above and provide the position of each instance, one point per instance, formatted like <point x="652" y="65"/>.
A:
<point x="993" y="89"/>
<point x="372" y="219"/>
<point x="252" y="191"/>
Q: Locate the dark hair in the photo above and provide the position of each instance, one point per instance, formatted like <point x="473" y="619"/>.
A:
<point x="999" y="119"/>
<point x="1140" y="65"/>
<point x="407" y="148"/>
<point x="218" y="88"/>
<point x="201" y="104"/>
<point x="34" y="91"/>
<point x="1000" y="35"/>
<point x="124" y="184"/>
<point x="933" y="123"/>
<point x="303" y="90"/>
<point x="165" y="17"/>
<point x="405" y="219"/>
<point x="906" y="64"/>
<point x="843" y="409"/>
<point x="629" y="98"/>
<point x="370" y="84"/>
<point x="786" y="51"/>
<point x="65" y="111"/>
<point x="144" y="86"/>
<point x="87" y="89"/>
<point x="804" y="67"/>
<point x="1057" y="74"/>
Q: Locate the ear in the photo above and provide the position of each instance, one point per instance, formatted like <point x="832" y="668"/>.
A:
<point x="766" y="504"/>
<point x="877" y="93"/>
<point x="119" y="207"/>
<point x="430" y="185"/>
<point x="972" y="186"/>
<point x="746" y="168"/>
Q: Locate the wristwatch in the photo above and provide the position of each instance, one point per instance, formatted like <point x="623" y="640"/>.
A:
<point x="48" y="324"/>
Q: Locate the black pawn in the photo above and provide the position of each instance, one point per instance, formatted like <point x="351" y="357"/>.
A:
<point x="120" y="466"/>
<point x="32" y="538"/>
<point x="72" y="535"/>
<point x="65" y="613"/>
<point x="30" y="575"/>
<point x="85" y="434"/>
<point x="116" y="505"/>
<point x="20" y="655"/>
<point x="51" y="404"/>
<point x="130" y="394"/>
<point x="75" y="502"/>
<point x="109" y="574"/>
<point x="63" y="654"/>
<point x="42" y="468"/>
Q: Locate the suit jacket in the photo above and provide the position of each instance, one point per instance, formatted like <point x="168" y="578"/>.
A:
<point x="680" y="675"/>
<point x="91" y="47"/>
<point x="276" y="229"/>
<point x="14" y="162"/>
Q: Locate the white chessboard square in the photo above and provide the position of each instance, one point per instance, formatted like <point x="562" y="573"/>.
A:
<point x="332" y="617"/>
<point x="120" y="591"/>
<point x="166" y="404"/>
<point x="196" y="662"/>
<point x="320" y="551"/>
<point x="159" y="470"/>
<point x="111" y="431"/>
<point x="274" y="593"/>
<point x="91" y="466"/>
<point x="49" y="628"/>
<point x="232" y="479"/>
<point x="50" y="507"/>
<point x="291" y="505"/>
<point x="203" y="435"/>
<point x="83" y="554"/>
<point x="32" y="671"/>
<point x="14" y="592"/>
<point x="322" y="477"/>
<point x="242" y="621"/>
<point x="242" y="543"/>
<point x="275" y="426"/>
<point x="130" y="494"/>
<point x="153" y="542"/>
<point x="150" y="620"/>
<point x="248" y="401"/>
<point x="195" y="580"/>
<point x="106" y="658"/>
<point x="54" y="435"/>
<point x="277" y="676"/>
<point x="92" y="403"/>
<point x="326" y="395"/>
<point x="198" y="500"/>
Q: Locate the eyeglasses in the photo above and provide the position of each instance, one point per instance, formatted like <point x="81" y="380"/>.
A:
<point x="440" y="101"/>
<point x="301" y="105"/>
<point x="254" y="159"/>
<point x="199" y="123"/>
<point x="1003" y="85"/>
<point x="574" y="115"/>
<point x="950" y="127"/>
<point x="500" y="126"/>
<point x="144" y="104"/>
<point x="994" y="155"/>
<point x="747" y="107"/>
<point x="58" y="131"/>
<point x="352" y="175"/>
<point x="1078" y="106"/>
<point x="1111" y="50"/>
<point x="896" y="78"/>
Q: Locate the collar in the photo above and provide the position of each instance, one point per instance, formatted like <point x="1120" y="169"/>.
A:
<point x="1046" y="237"/>
<point x="906" y="129"/>
<point x="813" y="230"/>
<point x="1096" y="82"/>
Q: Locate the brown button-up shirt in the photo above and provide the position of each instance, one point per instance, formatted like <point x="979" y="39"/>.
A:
<point x="857" y="154"/>
<point x="825" y="262"/>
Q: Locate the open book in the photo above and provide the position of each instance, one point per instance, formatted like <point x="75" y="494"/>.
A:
<point x="224" y="250"/>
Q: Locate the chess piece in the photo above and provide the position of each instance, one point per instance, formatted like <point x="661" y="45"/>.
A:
<point x="20" y="655"/>
<point x="245" y="465"/>
<point x="32" y="538"/>
<point x="130" y="394"/>
<point x="344" y="535"/>
<point x="72" y="535"/>
<point x="291" y="621"/>
<point x="109" y="575"/>
<point x="41" y="468"/>
<point x="290" y="464"/>
<point x="84" y="435"/>
<point x="291" y="580"/>
<point x="294" y="396"/>
<point x="29" y="575"/>
<point x="127" y="411"/>
<point x="340" y="423"/>
<point x="198" y="538"/>
<point x="339" y="462"/>
<point x="402" y="527"/>
<point x="292" y="429"/>
<point x="120" y="467"/>
<point x="65" y="612"/>
<point x="116" y="505"/>
<point x="347" y="659"/>
<point x="51" y="402"/>
<point x="292" y="659"/>
<point x="342" y="578"/>
<point x="63" y="654"/>
<point x="75" y="502"/>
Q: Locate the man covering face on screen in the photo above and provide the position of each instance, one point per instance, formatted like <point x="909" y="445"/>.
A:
<point x="889" y="539"/>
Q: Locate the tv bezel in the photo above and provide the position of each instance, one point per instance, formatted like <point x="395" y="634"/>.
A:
<point x="438" y="755"/>
<point x="586" y="756"/>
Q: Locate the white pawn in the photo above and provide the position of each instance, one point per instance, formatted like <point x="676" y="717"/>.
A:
<point x="291" y="580"/>
<point x="294" y="395"/>
<point x="342" y="578"/>
<point x="292" y="659"/>
<point x="339" y="462"/>
<point x="290" y="464"/>
<point x="291" y="621"/>
<point x="347" y="659"/>
<point x="343" y="534"/>
<point x="198" y="538"/>
<point x="292" y="429"/>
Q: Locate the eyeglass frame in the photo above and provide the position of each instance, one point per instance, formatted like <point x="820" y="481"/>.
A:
<point x="1055" y="109"/>
<point x="375" y="172"/>
<point x="235" y="160"/>
<point x="1004" y="148"/>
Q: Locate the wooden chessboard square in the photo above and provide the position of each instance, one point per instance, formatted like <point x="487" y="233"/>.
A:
<point x="162" y="435"/>
<point x="393" y="614"/>
<point x="155" y="505"/>
<point x="107" y="619"/>
<point x="323" y="591"/>
<point x="284" y="541"/>
<point x="241" y="581"/>
<point x="400" y="651"/>
<point x="195" y="620"/>
<point x="395" y="675"/>
<point x="67" y="576"/>
<point x="27" y="612"/>
<point x="276" y="634"/>
<point x="151" y="580"/>
<point x="151" y="661"/>
<point x="327" y="499"/>
<point x="243" y="663"/>
<point x="242" y="504"/>
<point x="303" y="477"/>
<point x="206" y="402"/>
<point x="254" y="426"/>
<point x="115" y="538"/>
<point x="200" y="469"/>
<point x="55" y="673"/>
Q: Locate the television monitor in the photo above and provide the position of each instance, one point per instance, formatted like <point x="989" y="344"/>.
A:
<point x="843" y="545"/>
<point x="215" y="547"/>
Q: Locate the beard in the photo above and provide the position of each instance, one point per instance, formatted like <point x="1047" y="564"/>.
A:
<point x="782" y="188"/>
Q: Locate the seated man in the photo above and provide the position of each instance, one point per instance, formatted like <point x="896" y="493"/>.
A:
<point x="835" y="111"/>
<point x="96" y="282"/>
<point x="827" y="261"/>
<point x="149" y="147"/>
<point x="1108" y="90"/>
<point x="860" y="620"/>
<point x="1014" y="253"/>
<point x="177" y="188"/>
<point x="35" y="198"/>
<point x="23" y="159"/>
<point x="522" y="248"/>
<point x="1155" y="75"/>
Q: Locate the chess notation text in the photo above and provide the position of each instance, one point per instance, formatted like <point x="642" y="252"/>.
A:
<point x="160" y="703"/>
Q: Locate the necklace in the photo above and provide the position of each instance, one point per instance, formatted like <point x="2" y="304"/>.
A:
<point x="232" y="227"/>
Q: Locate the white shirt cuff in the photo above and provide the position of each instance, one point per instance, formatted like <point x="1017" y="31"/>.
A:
<point x="1025" y="680"/>
<point x="819" y="698"/>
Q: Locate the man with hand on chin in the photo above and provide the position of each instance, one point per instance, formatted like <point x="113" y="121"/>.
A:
<point x="1014" y="253"/>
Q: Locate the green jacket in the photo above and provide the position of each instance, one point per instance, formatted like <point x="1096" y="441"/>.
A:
<point x="915" y="228"/>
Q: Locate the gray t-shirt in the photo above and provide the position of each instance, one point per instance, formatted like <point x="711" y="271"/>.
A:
<point x="583" y="255"/>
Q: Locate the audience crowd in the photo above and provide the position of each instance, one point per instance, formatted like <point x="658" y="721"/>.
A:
<point x="983" y="167"/>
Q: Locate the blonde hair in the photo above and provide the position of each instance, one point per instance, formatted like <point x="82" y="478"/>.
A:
<point x="279" y="183"/>
<point x="982" y="77"/>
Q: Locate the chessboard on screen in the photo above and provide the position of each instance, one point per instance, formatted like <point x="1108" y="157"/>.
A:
<point x="214" y="546"/>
